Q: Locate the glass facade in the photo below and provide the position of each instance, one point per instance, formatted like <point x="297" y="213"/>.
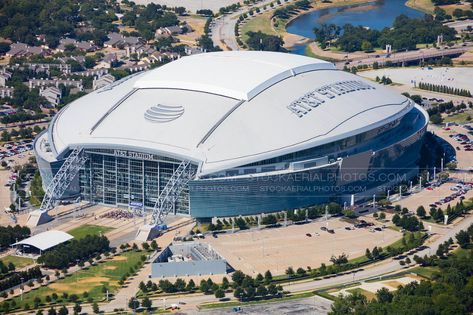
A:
<point x="128" y="182"/>
<point x="369" y="168"/>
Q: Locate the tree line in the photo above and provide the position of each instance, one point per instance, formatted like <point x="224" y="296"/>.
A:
<point x="6" y="268"/>
<point x="22" y="133"/>
<point x="355" y="38"/>
<point x="449" y="292"/>
<point x="444" y="89"/>
<point x="17" y="278"/>
<point x="291" y="9"/>
<point x="11" y="234"/>
<point x="21" y="117"/>
<point x="76" y="250"/>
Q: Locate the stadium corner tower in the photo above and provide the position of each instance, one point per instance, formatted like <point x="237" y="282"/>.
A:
<point x="261" y="131"/>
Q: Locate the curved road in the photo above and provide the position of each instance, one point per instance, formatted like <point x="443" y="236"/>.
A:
<point x="223" y="28"/>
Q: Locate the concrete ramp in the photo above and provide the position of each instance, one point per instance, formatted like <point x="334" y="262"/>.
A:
<point x="38" y="217"/>
<point x="147" y="232"/>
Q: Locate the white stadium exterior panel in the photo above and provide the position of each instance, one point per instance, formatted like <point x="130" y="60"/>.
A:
<point x="209" y="87"/>
<point x="236" y="116"/>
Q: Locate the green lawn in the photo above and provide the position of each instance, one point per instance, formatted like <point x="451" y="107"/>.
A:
<point x="425" y="272"/>
<point x="19" y="262"/>
<point x="89" y="229"/>
<point x="460" y="118"/>
<point x="261" y="23"/>
<point x="91" y="280"/>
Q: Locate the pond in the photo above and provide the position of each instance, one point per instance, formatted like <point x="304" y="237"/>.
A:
<point x="375" y="15"/>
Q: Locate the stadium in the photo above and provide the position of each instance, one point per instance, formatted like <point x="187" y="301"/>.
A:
<point x="232" y="133"/>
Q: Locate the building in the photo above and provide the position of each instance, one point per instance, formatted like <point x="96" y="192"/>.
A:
<point x="117" y="40"/>
<point x="169" y="30"/>
<point x="39" y="243"/>
<point x="4" y="77"/>
<point x="188" y="259"/>
<point x="80" y="45"/>
<point x="6" y="92"/>
<point x="100" y="82"/>
<point x="52" y="94"/>
<point x="252" y="132"/>
<point x="107" y="61"/>
<point x="35" y="83"/>
<point x="23" y="50"/>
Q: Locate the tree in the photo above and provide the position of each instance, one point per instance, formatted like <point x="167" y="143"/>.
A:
<point x="261" y="291"/>
<point x="340" y="260"/>
<point x="190" y="285"/>
<point x="421" y="212"/>
<point x="375" y="253"/>
<point x="219" y="294"/>
<point x="463" y="238"/>
<point x="145" y="246"/>
<point x="368" y="254"/>
<point x="366" y="46"/>
<point x="396" y="219"/>
<point x="133" y="304"/>
<point x="268" y="277"/>
<point x="95" y="308"/>
<point x="239" y="293"/>
<point x="77" y="308"/>
<point x="238" y="277"/>
<point x="63" y="310"/>
<point x="146" y="303"/>
<point x="204" y="287"/>
<point x="290" y="272"/>
<point x="154" y="245"/>
<point x="383" y="295"/>
<point x="225" y="284"/>
<point x="52" y="311"/>
<point x="180" y="285"/>
<point x="36" y="302"/>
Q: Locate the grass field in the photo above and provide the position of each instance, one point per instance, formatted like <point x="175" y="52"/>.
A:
<point x="19" y="262"/>
<point x="425" y="272"/>
<point x="261" y="23"/>
<point x="369" y="295"/>
<point x="460" y="118"/>
<point x="89" y="229"/>
<point x="91" y="280"/>
<point x="422" y="5"/>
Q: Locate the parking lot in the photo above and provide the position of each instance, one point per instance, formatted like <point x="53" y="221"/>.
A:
<point x="460" y="138"/>
<point x="435" y="195"/>
<point x="276" y="249"/>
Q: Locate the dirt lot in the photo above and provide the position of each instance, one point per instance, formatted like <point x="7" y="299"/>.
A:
<point x="276" y="249"/>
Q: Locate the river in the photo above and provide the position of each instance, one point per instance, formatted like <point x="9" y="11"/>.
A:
<point x="376" y="15"/>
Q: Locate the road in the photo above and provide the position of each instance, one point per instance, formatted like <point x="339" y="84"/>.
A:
<point x="313" y="305"/>
<point x="407" y="56"/>
<point x="223" y="31"/>
<point x="223" y="28"/>
<point x="460" y="26"/>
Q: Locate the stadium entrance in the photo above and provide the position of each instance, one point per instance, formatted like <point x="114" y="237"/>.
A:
<point x="128" y="179"/>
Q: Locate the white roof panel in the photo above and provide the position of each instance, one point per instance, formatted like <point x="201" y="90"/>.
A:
<point x="232" y="74"/>
<point x="46" y="240"/>
<point x="227" y="109"/>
